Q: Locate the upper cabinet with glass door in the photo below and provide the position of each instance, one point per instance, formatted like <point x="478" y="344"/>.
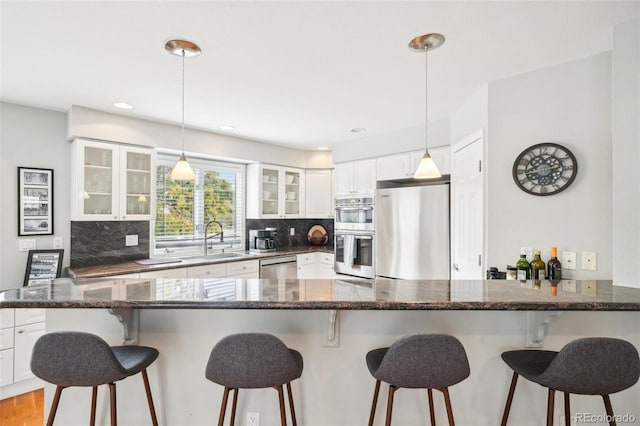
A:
<point x="274" y="192"/>
<point x="111" y="181"/>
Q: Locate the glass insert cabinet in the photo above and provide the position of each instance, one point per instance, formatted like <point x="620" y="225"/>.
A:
<point x="112" y="181"/>
<point x="274" y="191"/>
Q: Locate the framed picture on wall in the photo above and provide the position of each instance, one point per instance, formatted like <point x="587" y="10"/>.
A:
<point x="43" y="265"/>
<point x="35" y="201"/>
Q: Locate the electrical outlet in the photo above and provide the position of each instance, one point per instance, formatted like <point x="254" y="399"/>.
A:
<point x="568" y="260"/>
<point x="292" y="231"/>
<point x="528" y="251"/>
<point x="253" y="419"/>
<point x="131" y="240"/>
<point x="589" y="261"/>
<point x="58" y="243"/>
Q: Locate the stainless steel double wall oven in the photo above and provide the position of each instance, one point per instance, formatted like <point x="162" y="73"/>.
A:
<point x="354" y="236"/>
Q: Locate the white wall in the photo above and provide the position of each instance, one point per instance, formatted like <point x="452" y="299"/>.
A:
<point x="626" y="153"/>
<point x="31" y="137"/>
<point x="472" y="116"/>
<point x="569" y="104"/>
<point x="92" y="124"/>
<point x="404" y="140"/>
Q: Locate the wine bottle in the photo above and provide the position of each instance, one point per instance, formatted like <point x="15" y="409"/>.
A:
<point x="537" y="266"/>
<point x="524" y="269"/>
<point x="554" y="268"/>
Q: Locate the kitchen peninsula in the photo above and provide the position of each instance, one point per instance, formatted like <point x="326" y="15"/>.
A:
<point x="184" y="318"/>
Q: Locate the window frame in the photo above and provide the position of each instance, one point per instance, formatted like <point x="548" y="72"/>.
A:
<point x="206" y="164"/>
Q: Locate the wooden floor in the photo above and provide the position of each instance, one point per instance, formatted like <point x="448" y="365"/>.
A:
<point x="23" y="410"/>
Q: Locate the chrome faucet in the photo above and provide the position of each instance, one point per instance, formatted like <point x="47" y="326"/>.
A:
<point x="206" y="237"/>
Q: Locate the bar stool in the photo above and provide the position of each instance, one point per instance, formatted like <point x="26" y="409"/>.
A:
<point x="253" y="361"/>
<point x="587" y="366"/>
<point x="71" y="358"/>
<point x="420" y="361"/>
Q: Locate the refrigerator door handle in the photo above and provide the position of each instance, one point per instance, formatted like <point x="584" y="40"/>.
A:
<point x="363" y="237"/>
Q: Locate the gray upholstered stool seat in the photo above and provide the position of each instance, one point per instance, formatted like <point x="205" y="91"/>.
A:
<point x="423" y="361"/>
<point x="71" y="358"/>
<point x="588" y="366"/>
<point x="250" y="361"/>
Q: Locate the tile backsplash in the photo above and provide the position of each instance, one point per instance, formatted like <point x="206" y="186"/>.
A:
<point x="103" y="243"/>
<point x="283" y="227"/>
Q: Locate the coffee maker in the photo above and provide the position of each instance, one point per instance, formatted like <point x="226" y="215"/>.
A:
<point x="262" y="240"/>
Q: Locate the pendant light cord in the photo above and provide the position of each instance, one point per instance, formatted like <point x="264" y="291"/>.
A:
<point x="426" y="99"/>
<point x="182" y="133"/>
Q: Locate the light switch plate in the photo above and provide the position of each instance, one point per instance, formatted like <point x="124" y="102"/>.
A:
<point x="589" y="261"/>
<point x="26" y="244"/>
<point x="131" y="240"/>
<point x="58" y="242"/>
<point x="568" y="260"/>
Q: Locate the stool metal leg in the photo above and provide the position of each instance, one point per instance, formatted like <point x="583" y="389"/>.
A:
<point x="283" y="414"/>
<point x="392" y="390"/>
<point x="609" y="408"/>
<point x="507" y="406"/>
<point x="234" y="405"/>
<point x="291" y="407"/>
<point x="374" y="403"/>
<point x="147" y="389"/>
<point x="112" y="398"/>
<point x="54" y="405"/>
<point x="432" y="414"/>
<point x="447" y="402"/>
<point x="567" y="410"/>
<point x="94" y="397"/>
<point x="223" y="406"/>
<point x="552" y="394"/>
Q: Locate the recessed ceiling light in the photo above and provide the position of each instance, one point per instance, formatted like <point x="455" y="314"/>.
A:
<point x="323" y="148"/>
<point x="122" y="105"/>
<point x="358" y="130"/>
<point x="227" y="127"/>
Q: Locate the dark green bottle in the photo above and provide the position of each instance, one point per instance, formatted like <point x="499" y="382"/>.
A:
<point x="537" y="266"/>
<point x="524" y="269"/>
<point x="554" y="268"/>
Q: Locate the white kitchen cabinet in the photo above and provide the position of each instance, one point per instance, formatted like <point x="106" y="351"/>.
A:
<point x="111" y="181"/>
<point x="442" y="157"/>
<point x="355" y="177"/>
<point x="218" y="270"/>
<point x="403" y="166"/>
<point x="319" y="193"/>
<point x="275" y="192"/>
<point x="315" y="265"/>
<point x="243" y="269"/>
<point x="24" y="340"/>
<point x="19" y="330"/>
<point x="166" y="273"/>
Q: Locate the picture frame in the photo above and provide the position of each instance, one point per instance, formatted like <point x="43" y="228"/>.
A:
<point x="35" y="201"/>
<point x="43" y="265"/>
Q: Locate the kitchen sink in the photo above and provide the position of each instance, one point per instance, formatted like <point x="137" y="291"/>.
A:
<point x="217" y="256"/>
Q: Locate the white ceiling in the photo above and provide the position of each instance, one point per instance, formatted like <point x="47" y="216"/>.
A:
<point x="297" y="73"/>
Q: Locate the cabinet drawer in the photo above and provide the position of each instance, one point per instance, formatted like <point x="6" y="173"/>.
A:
<point x="6" y="367"/>
<point x="207" y="271"/>
<point x="25" y="339"/>
<point x="6" y="338"/>
<point x="306" y="259"/>
<point x="6" y="318"/>
<point x="242" y="268"/>
<point x="165" y="273"/>
<point x="29" y="316"/>
<point x="326" y="258"/>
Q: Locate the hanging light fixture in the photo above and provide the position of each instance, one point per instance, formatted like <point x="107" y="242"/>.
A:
<point x="427" y="168"/>
<point x="182" y="170"/>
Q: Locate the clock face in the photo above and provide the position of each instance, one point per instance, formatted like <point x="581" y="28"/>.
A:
<point x="545" y="169"/>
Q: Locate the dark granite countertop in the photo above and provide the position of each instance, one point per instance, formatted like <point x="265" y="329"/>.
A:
<point x="133" y="267"/>
<point x="350" y="294"/>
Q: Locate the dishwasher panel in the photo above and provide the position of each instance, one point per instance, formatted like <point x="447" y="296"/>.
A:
<point x="282" y="267"/>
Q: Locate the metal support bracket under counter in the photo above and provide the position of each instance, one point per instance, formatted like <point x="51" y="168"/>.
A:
<point x="129" y="318"/>
<point x="538" y="326"/>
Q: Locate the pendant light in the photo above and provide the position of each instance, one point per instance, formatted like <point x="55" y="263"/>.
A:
<point x="427" y="168"/>
<point x="182" y="170"/>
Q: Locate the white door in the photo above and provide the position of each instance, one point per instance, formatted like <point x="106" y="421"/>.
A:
<point x="467" y="208"/>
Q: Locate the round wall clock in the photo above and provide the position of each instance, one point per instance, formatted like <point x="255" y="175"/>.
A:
<point x="545" y="169"/>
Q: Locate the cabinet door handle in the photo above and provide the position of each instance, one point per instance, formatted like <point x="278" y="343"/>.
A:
<point x="20" y="331"/>
<point x="115" y="217"/>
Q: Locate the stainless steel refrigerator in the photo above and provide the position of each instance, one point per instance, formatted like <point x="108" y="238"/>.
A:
<point x="412" y="232"/>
